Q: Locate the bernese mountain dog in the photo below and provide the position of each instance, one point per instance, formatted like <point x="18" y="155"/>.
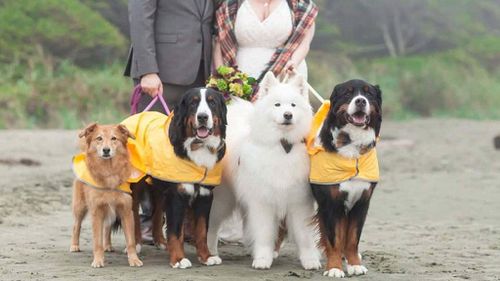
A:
<point x="181" y="183"/>
<point x="347" y="139"/>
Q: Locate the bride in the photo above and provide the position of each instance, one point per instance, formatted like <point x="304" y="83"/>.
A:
<point x="260" y="36"/>
<point x="264" y="35"/>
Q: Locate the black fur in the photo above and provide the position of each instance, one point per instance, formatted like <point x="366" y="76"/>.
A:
<point x="176" y="204"/>
<point x="359" y="211"/>
<point x="330" y="210"/>
<point x="221" y="151"/>
<point x="201" y="207"/>
<point x="175" y="207"/>
<point x="177" y="128"/>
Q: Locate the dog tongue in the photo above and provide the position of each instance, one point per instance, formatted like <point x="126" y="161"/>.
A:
<point x="359" y="118"/>
<point x="202" y="132"/>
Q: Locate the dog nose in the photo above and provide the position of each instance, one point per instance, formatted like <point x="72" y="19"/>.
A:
<point x="202" y="117"/>
<point x="360" y="102"/>
<point x="288" y="115"/>
<point x="106" y="150"/>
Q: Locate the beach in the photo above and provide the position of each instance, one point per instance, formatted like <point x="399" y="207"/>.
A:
<point x="435" y="215"/>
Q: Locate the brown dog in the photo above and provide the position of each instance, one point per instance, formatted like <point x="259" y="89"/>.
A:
<point x="101" y="189"/>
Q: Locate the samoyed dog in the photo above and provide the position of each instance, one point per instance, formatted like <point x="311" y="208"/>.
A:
<point x="266" y="171"/>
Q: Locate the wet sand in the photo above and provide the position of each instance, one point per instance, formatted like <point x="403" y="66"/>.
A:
<point x="434" y="216"/>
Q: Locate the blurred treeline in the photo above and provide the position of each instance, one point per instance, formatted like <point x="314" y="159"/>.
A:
<point x="61" y="61"/>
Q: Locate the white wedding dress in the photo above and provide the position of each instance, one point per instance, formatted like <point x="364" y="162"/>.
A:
<point x="257" y="42"/>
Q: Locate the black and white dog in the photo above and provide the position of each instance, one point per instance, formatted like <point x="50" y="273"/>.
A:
<point x="350" y="130"/>
<point x="197" y="136"/>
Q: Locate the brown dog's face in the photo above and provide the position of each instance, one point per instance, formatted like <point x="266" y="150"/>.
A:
<point x="105" y="141"/>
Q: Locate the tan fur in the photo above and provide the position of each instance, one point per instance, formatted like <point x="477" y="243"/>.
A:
<point x="103" y="204"/>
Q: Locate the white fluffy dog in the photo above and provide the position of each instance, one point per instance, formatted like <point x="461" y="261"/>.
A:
<point x="266" y="172"/>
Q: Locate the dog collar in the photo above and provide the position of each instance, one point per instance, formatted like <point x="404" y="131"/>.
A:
<point x="287" y="146"/>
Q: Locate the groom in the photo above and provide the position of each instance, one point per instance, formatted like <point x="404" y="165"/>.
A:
<point x="170" y="52"/>
<point x="171" y="46"/>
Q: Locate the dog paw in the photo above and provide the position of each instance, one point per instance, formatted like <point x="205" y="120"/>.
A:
<point x="135" y="262"/>
<point x="311" y="264"/>
<point x="213" y="260"/>
<point x="334" y="272"/>
<point x="182" y="264"/>
<point x="262" y="263"/>
<point x="160" y="245"/>
<point x="109" y="249"/>
<point x="276" y="254"/>
<point x="74" y="248"/>
<point x="356" y="270"/>
<point x="97" y="263"/>
<point x="138" y="248"/>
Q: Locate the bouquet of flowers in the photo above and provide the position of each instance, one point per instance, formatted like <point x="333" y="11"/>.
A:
<point x="232" y="82"/>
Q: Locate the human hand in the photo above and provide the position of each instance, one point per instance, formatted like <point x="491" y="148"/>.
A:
<point x="151" y="84"/>
<point x="290" y="66"/>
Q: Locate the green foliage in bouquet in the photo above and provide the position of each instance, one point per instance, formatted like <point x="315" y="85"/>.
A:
<point x="232" y="82"/>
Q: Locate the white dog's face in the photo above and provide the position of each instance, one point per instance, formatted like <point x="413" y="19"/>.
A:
<point x="285" y="105"/>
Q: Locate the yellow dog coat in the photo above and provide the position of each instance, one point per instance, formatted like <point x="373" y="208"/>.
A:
<point x="82" y="173"/>
<point x="331" y="168"/>
<point x="155" y="154"/>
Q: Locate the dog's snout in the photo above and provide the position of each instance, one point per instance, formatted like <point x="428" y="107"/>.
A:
<point x="360" y="102"/>
<point x="106" y="150"/>
<point x="288" y="115"/>
<point x="202" y="117"/>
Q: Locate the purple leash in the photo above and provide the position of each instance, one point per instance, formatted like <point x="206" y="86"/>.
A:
<point x="136" y="96"/>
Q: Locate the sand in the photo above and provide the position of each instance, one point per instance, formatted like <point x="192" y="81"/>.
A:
<point x="434" y="216"/>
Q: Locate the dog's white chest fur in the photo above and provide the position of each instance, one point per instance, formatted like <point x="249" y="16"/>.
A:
<point x="269" y="171"/>
<point x="359" y="138"/>
<point x="203" y="156"/>
<point x="354" y="189"/>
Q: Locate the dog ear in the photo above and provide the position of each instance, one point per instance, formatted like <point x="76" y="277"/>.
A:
<point x="268" y="82"/>
<point x="379" y="116"/>
<point x="223" y="113"/>
<point x="125" y="131"/>
<point x="337" y="91"/>
<point x="222" y="103"/>
<point x="301" y="83"/>
<point x="331" y="117"/>
<point x="88" y="130"/>
<point x="176" y="129"/>
<point x="378" y="94"/>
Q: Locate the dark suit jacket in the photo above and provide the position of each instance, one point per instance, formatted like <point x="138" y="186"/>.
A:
<point x="170" y="37"/>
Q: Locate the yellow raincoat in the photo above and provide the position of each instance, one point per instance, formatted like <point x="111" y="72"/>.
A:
<point x="155" y="154"/>
<point x="331" y="168"/>
<point x="83" y="174"/>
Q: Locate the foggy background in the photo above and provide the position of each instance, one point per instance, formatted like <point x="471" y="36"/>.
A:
<point x="61" y="61"/>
